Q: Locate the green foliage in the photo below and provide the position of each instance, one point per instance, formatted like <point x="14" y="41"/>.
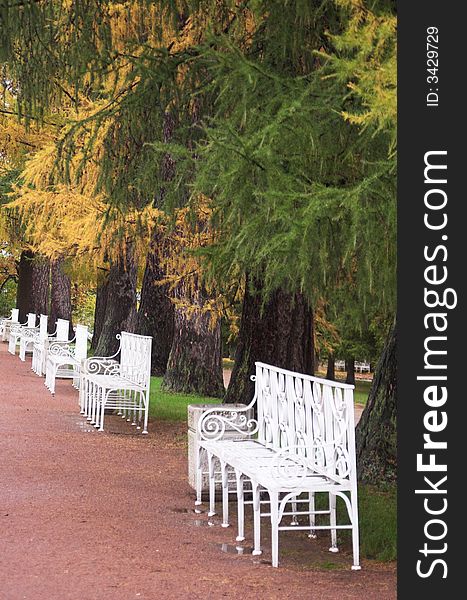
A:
<point x="7" y="297"/>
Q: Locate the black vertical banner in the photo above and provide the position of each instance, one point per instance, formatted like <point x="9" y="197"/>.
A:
<point x="432" y="268"/>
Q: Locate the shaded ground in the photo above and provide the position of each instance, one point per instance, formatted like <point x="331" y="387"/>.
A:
<point x="86" y="515"/>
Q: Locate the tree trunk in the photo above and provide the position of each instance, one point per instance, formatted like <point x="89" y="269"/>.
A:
<point x="156" y="312"/>
<point x="350" y="368"/>
<point x="195" y="360"/>
<point x="331" y="370"/>
<point x="40" y="285"/>
<point x="120" y="313"/>
<point x="60" y="296"/>
<point x="280" y="334"/>
<point x="376" y="431"/>
<point x="102" y="292"/>
<point x="24" y="291"/>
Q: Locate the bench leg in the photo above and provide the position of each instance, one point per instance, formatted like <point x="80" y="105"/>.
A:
<point x="146" y="411"/>
<point x="100" y="423"/>
<point x="355" y="535"/>
<point x="274" y="501"/>
<point x="212" y="486"/>
<point x="294" y="520"/>
<point x="311" y="508"/>
<point x="256" y="519"/>
<point x="332" y="509"/>
<point x="225" y="495"/>
<point x="240" y="507"/>
<point x="199" y="477"/>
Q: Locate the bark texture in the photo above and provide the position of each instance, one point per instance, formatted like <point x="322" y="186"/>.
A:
<point x="40" y="285"/>
<point x="280" y="333"/>
<point x="156" y="312"/>
<point x="60" y="296"/>
<point x="350" y="368"/>
<point x="195" y="360"/>
<point x="24" y="300"/>
<point x="331" y="368"/>
<point x="120" y="313"/>
<point x="102" y="293"/>
<point x="376" y="431"/>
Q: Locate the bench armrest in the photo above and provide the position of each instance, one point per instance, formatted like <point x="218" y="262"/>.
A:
<point x="101" y="365"/>
<point x="59" y="348"/>
<point x="216" y="421"/>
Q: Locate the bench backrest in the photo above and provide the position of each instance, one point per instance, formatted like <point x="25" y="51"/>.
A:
<point x="31" y="320"/>
<point x="135" y="358"/>
<point x="315" y="416"/>
<point x="14" y="315"/>
<point x="81" y="342"/>
<point x="43" y="319"/>
<point x="62" y="330"/>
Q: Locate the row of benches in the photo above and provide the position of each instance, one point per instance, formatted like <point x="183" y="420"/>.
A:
<point x="120" y="382"/>
<point x="296" y="439"/>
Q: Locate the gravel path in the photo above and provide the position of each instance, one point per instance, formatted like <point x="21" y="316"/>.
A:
<point x="108" y="516"/>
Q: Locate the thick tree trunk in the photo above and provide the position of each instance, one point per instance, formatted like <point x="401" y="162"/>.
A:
<point x="24" y="299"/>
<point x="195" y="360"/>
<point x="376" y="431"/>
<point x="156" y="312"/>
<point x="40" y="285"/>
<point x="350" y="368"/>
<point x="120" y="314"/>
<point x="280" y="334"/>
<point x="60" y="296"/>
<point x="331" y="370"/>
<point x="102" y="292"/>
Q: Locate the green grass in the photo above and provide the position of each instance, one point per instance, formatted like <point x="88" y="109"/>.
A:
<point x="166" y="406"/>
<point x="377" y="518"/>
<point x="362" y="389"/>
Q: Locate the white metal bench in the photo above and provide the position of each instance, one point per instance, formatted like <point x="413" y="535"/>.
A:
<point x="302" y="442"/>
<point x="6" y="323"/>
<point x="29" y="337"/>
<point x="64" y="360"/>
<point x="121" y="385"/>
<point x="16" y="330"/>
<point x="41" y="345"/>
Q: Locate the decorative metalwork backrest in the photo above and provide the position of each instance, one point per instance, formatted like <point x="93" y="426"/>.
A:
<point x="31" y="320"/>
<point x="14" y="315"/>
<point x="81" y="343"/>
<point x="43" y="326"/>
<point x="63" y="327"/>
<point x="314" y="417"/>
<point x="135" y="357"/>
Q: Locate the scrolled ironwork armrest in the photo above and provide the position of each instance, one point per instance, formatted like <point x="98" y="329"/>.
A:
<point x="98" y="365"/>
<point x="58" y="348"/>
<point x="216" y="421"/>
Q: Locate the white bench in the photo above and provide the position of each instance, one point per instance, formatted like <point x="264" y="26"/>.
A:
<point x="362" y="367"/>
<point x="122" y="385"/>
<point x="29" y="337"/>
<point x="16" y="331"/>
<point x="41" y="344"/>
<point x="6" y="323"/>
<point x="302" y="442"/>
<point x="64" y="360"/>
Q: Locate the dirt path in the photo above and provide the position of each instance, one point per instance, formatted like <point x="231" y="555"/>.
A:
<point x="92" y="516"/>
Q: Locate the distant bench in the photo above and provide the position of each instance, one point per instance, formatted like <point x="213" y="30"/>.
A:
<point x="120" y="382"/>
<point x="302" y="442"/>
